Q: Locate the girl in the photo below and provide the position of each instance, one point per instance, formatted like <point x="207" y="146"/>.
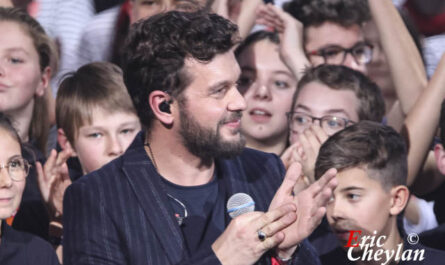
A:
<point x="16" y="247"/>
<point x="267" y="85"/>
<point x="25" y="56"/>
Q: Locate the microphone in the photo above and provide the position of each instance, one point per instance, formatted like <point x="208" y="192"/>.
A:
<point x="239" y="204"/>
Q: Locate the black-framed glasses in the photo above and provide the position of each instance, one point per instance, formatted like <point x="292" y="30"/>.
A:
<point x="361" y="52"/>
<point x="299" y="122"/>
<point x="18" y="168"/>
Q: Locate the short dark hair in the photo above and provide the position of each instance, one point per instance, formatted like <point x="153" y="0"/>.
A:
<point x="256" y="37"/>
<point x="337" y="77"/>
<point x="316" y="12"/>
<point x="94" y="85"/>
<point x="376" y="148"/>
<point x="156" y="50"/>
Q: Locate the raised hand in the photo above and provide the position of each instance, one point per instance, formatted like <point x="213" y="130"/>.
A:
<point x="310" y="141"/>
<point x="53" y="179"/>
<point x="291" y="36"/>
<point x="311" y="206"/>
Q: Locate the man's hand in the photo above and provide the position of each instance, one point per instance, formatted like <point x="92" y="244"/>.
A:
<point x="311" y="206"/>
<point x="239" y="244"/>
<point x="53" y="180"/>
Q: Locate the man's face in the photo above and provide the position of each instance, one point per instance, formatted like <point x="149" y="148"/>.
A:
<point x="318" y="100"/>
<point x="142" y="9"/>
<point x="211" y="107"/>
<point x="331" y="34"/>
<point x="359" y="203"/>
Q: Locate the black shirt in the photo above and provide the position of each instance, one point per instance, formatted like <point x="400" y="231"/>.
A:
<point x="20" y="248"/>
<point x="205" y="212"/>
<point x="32" y="216"/>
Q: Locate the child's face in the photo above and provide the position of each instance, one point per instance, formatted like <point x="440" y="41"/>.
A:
<point x="318" y="100"/>
<point x="10" y="190"/>
<point x="106" y="138"/>
<point x="332" y="34"/>
<point x="20" y="74"/>
<point x="359" y="203"/>
<point x="267" y="86"/>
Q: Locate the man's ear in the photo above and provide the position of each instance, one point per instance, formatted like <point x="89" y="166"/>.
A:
<point x="399" y="199"/>
<point x="439" y="155"/>
<point x="64" y="143"/>
<point x="159" y="98"/>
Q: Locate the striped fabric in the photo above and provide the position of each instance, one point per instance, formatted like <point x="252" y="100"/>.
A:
<point x="97" y="39"/>
<point x="120" y="214"/>
<point x="64" y="21"/>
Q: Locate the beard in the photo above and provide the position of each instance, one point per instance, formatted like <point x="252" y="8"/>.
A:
<point x="206" y="143"/>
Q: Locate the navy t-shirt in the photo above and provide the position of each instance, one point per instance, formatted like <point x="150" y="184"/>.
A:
<point x="205" y="206"/>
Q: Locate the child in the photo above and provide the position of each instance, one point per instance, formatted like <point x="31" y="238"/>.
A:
<point x="16" y="247"/>
<point x="267" y="85"/>
<point x="371" y="160"/>
<point x="96" y="123"/>
<point x="25" y="56"/>
<point x="95" y="115"/>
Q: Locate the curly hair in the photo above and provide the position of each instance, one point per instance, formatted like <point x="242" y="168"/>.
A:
<point x="337" y="77"/>
<point x="343" y="12"/>
<point x="376" y="148"/>
<point x="157" y="48"/>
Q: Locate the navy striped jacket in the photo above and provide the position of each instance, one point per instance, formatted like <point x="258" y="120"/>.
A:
<point x="119" y="214"/>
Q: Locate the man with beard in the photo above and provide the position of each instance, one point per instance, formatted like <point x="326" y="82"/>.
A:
<point x="163" y="201"/>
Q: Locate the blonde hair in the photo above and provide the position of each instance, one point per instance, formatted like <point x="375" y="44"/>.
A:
<point x="95" y="85"/>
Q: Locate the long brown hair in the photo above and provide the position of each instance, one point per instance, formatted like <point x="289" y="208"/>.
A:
<point x="45" y="47"/>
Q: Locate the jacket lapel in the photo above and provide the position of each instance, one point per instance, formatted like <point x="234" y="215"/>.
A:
<point x="146" y="183"/>
<point x="234" y="178"/>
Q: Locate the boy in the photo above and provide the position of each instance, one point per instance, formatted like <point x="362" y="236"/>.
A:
<point x="371" y="160"/>
<point x="95" y="115"/>
<point x="96" y="123"/>
<point x="336" y="96"/>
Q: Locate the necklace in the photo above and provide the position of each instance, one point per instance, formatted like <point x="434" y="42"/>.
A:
<point x="151" y="155"/>
<point x="179" y="218"/>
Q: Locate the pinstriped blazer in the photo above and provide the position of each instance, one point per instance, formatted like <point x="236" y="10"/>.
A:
<point x="119" y="214"/>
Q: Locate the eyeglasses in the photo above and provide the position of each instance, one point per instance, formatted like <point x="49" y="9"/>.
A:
<point x="361" y="52"/>
<point x="18" y="168"/>
<point x="331" y="124"/>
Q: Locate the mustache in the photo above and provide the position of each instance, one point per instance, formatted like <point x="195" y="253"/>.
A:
<point x="232" y="117"/>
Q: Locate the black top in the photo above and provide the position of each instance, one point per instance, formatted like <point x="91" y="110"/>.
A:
<point x="32" y="216"/>
<point x="434" y="238"/>
<point x="20" y="248"/>
<point x="205" y="209"/>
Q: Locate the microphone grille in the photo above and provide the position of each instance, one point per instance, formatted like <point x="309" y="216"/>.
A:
<point x="240" y="203"/>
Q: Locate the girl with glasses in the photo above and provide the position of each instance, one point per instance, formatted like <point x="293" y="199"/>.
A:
<point x="16" y="247"/>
